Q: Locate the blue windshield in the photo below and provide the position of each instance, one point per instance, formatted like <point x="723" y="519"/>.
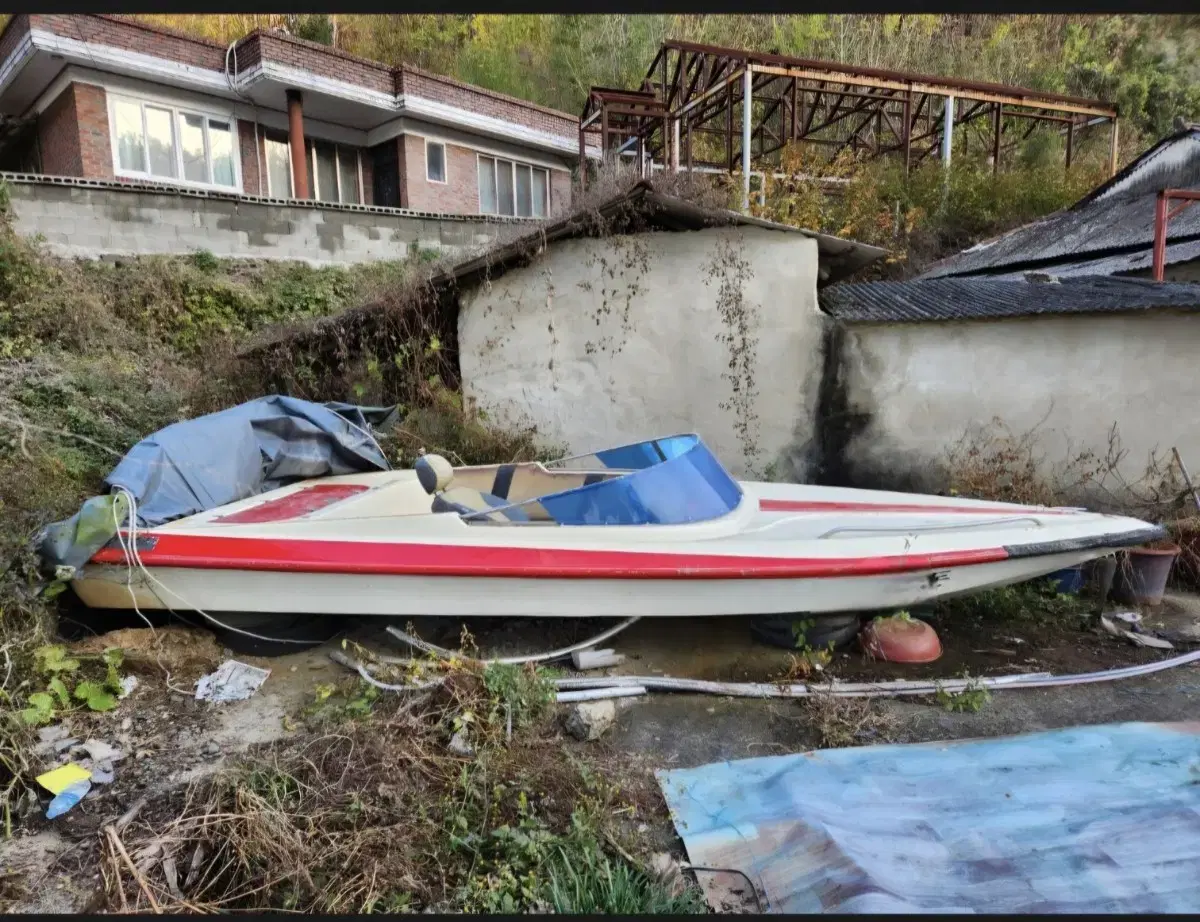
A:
<point x="633" y="457"/>
<point x="672" y="481"/>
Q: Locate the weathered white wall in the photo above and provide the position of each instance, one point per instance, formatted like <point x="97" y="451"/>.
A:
<point x="600" y="342"/>
<point x="89" y="219"/>
<point x="923" y="385"/>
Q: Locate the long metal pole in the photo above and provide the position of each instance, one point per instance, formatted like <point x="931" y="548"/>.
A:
<point x="1160" y="231"/>
<point x="582" y="159"/>
<point x="1112" y="152"/>
<point x="948" y="131"/>
<point x="996" y="128"/>
<point x="747" y="105"/>
<point x="729" y="127"/>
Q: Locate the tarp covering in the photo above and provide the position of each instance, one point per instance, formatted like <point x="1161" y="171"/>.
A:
<point x="257" y="446"/>
<point x="200" y="464"/>
<point x="1084" y="819"/>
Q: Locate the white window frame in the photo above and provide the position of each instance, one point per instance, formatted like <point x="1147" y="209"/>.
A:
<point x="176" y="111"/>
<point x="337" y="171"/>
<point x="266" y="167"/>
<point x="512" y="166"/>
<point x="445" y="164"/>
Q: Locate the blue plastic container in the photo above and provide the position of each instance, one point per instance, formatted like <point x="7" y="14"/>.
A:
<point x="1069" y="581"/>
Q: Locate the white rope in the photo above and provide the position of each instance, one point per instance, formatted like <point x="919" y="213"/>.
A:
<point x="133" y="558"/>
<point x="339" y="657"/>
<point x="442" y="652"/>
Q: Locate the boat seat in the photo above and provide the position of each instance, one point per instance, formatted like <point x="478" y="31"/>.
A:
<point x="465" y="500"/>
<point x="436" y="474"/>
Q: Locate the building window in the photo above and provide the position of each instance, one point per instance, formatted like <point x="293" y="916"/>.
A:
<point x="435" y="161"/>
<point x="279" y="165"/>
<point x="516" y="189"/>
<point x="334" y="173"/>
<point x="162" y="142"/>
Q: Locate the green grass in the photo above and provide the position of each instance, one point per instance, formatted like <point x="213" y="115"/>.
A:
<point x="583" y="880"/>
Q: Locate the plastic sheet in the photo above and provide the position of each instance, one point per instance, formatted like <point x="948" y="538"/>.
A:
<point x="1081" y="820"/>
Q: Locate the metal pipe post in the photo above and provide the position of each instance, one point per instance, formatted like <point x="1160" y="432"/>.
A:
<point x="1160" y="231"/>
<point x="747" y="105"/>
<point x="948" y="131"/>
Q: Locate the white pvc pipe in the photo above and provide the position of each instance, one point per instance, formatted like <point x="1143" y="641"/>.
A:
<point x="877" y="689"/>
<point x="948" y="131"/>
<point x="596" y="694"/>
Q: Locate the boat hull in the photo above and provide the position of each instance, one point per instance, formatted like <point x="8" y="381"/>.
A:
<point x="408" y="595"/>
<point x="369" y="545"/>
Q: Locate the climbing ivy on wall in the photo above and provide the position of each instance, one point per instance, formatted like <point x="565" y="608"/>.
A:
<point x="729" y="272"/>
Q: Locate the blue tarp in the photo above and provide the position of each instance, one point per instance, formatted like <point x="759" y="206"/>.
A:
<point x="202" y="463"/>
<point x="1085" y="819"/>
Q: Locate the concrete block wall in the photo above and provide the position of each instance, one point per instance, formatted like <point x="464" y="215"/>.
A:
<point x="85" y="219"/>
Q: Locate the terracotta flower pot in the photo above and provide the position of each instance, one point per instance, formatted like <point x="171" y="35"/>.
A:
<point x="900" y="639"/>
<point x="1142" y="574"/>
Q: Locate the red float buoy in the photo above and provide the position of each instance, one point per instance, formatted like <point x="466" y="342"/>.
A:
<point x="900" y="638"/>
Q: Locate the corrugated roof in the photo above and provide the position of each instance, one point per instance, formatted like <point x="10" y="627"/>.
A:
<point x="1137" y="261"/>
<point x="1172" y="163"/>
<point x="1115" y="218"/>
<point x="979" y="299"/>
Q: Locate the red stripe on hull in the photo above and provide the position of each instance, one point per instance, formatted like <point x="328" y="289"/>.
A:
<point x="205" y="552"/>
<point x="792" y="505"/>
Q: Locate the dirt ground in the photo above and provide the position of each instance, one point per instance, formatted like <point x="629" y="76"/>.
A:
<point x="168" y="738"/>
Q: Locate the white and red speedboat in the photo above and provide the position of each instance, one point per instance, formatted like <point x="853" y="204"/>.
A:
<point x="656" y="528"/>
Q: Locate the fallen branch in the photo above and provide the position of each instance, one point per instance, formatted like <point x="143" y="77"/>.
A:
<point x="137" y="875"/>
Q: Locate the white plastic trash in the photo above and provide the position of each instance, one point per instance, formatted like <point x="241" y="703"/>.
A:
<point x="233" y="681"/>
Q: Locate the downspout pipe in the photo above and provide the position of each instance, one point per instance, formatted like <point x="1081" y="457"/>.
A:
<point x="296" y="143"/>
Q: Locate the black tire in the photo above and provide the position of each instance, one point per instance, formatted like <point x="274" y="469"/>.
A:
<point x="778" y="630"/>
<point x="289" y="633"/>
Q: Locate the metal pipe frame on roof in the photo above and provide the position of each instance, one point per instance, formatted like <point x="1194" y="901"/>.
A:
<point x="691" y="98"/>
<point x="1163" y="213"/>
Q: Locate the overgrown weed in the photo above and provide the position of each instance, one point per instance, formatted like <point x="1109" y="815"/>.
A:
<point x="841" y="722"/>
<point x="991" y="461"/>
<point x="970" y="700"/>
<point x="96" y="355"/>
<point x="1033" y="602"/>
<point x="312" y="824"/>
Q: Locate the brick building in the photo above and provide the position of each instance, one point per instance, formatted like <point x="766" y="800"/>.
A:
<point x="109" y="97"/>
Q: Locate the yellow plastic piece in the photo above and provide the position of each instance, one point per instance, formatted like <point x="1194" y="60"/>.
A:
<point x="63" y="777"/>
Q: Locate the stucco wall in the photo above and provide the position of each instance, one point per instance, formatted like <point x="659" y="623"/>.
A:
<point x="922" y="386"/>
<point x="82" y="219"/>
<point x="600" y="342"/>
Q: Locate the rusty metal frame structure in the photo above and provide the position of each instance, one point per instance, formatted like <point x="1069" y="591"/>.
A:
<point x="1162" y="214"/>
<point x="686" y="105"/>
